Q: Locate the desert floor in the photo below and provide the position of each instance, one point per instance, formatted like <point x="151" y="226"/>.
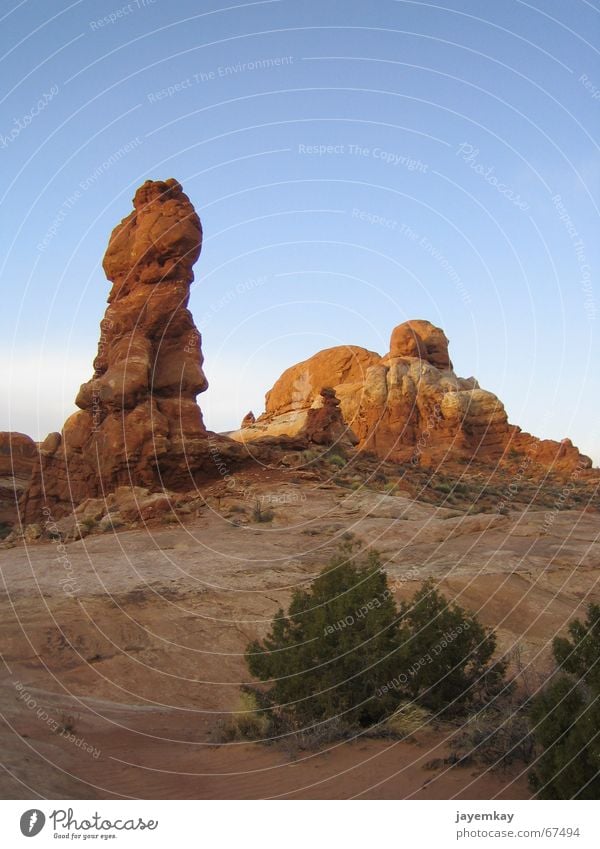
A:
<point x="119" y="660"/>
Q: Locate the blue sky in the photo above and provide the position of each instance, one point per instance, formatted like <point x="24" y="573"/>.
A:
<point x="354" y="165"/>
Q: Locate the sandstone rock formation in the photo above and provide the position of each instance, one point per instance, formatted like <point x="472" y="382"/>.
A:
<point x="138" y="421"/>
<point x="319" y="423"/>
<point x="549" y="454"/>
<point x="423" y="340"/>
<point x="408" y="405"/>
<point x="139" y="425"/>
<point x="18" y="454"/>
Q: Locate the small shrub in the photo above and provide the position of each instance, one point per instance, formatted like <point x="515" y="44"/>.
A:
<point x="67" y="724"/>
<point x="497" y="735"/>
<point x="407" y="719"/>
<point x="262" y="514"/>
<point x="310" y="456"/>
<point x="565" y="717"/>
<point x="580" y="655"/>
<point x="447" y="654"/>
<point x="460" y="488"/>
<point x="5" y="529"/>
<point x="318" y="669"/>
<point x="337" y="461"/>
<point x="247" y="722"/>
<point x="314" y="737"/>
<point x="565" y="721"/>
<point x="344" y="651"/>
<point x="111" y="522"/>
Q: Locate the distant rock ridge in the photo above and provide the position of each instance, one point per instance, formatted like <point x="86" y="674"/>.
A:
<point x="138" y="421"/>
<point x="406" y="406"/>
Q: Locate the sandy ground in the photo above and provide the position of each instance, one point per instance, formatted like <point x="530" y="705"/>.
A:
<point x="119" y="660"/>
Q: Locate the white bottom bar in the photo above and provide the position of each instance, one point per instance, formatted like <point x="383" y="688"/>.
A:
<point x="298" y="824"/>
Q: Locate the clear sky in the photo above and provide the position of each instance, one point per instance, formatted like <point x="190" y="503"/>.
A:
<point x="355" y="164"/>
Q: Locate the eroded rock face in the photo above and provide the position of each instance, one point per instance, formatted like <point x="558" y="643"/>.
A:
<point x="248" y="420"/>
<point x="423" y="340"/>
<point x="149" y="345"/>
<point x="18" y="455"/>
<point x="138" y="422"/>
<point x="300" y="385"/>
<point x="408" y="405"/>
<point x="319" y="423"/>
<point x="560" y="456"/>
